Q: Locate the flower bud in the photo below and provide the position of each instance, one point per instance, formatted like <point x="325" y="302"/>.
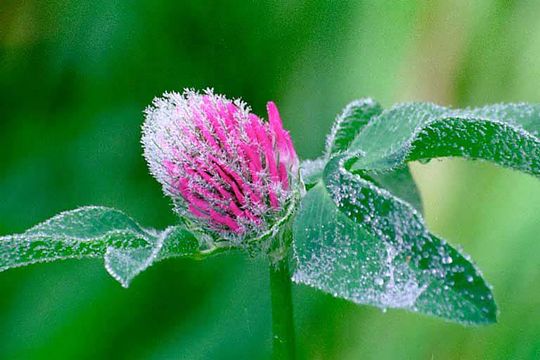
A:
<point x="225" y="169"/>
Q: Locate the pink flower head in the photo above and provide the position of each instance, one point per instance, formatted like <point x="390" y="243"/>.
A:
<point x="225" y="168"/>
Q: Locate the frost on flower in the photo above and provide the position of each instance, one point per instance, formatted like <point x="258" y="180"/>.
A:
<point x="224" y="167"/>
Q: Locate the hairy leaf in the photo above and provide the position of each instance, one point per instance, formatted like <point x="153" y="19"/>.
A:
<point x="399" y="182"/>
<point x="311" y="171"/>
<point x="350" y="123"/>
<point x="359" y="242"/>
<point x="127" y="248"/>
<point x="507" y="135"/>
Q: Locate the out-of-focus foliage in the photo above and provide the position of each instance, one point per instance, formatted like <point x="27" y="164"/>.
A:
<point x="75" y="77"/>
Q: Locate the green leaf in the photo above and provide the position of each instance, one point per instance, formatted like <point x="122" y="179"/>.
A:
<point x="350" y="123"/>
<point x="124" y="264"/>
<point x="357" y="241"/>
<point x="311" y="171"/>
<point x="399" y="182"/>
<point x="507" y="135"/>
<point x="127" y="248"/>
<point x="346" y="127"/>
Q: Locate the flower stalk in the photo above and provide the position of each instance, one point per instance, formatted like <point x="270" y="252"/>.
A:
<point x="282" y="311"/>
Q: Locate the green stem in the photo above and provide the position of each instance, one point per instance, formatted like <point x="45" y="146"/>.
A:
<point x="282" y="311"/>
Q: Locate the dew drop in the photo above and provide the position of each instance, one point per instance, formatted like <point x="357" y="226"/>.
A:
<point x="447" y="259"/>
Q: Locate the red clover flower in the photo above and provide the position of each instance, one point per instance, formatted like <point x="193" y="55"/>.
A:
<point x="225" y="169"/>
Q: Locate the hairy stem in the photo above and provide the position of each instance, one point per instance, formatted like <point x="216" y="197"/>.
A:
<point x="282" y="311"/>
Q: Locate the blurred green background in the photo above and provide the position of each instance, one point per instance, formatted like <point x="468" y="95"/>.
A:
<point x="75" y="77"/>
